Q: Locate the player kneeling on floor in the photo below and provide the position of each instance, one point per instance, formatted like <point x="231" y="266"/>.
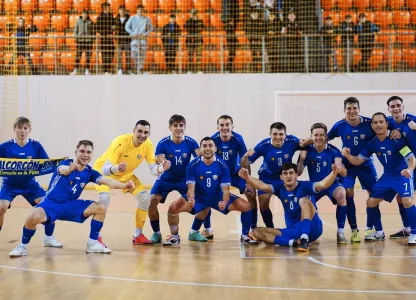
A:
<point x="61" y="200"/>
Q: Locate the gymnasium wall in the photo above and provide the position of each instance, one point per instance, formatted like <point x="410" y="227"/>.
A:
<point x="65" y="109"/>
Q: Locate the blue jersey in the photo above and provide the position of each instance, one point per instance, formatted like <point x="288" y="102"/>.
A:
<point x="409" y="136"/>
<point x="179" y="156"/>
<point x="400" y="126"/>
<point x="388" y="153"/>
<point x="319" y="164"/>
<point x="208" y="180"/>
<point x="232" y="151"/>
<point x="273" y="157"/>
<point x="68" y="188"/>
<point x="290" y="199"/>
<point x="32" y="149"/>
<point x="353" y="137"/>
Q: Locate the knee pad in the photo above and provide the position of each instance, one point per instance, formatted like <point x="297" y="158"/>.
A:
<point x="143" y="200"/>
<point x="104" y="199"/>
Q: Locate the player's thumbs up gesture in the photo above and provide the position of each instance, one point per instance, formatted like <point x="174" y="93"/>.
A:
<point x="122" y="167"/>
<point x="249" y="153"/>
<point x="72" y="167"/>
<point x="345" y="152"/>
<point x="243" y="173"/>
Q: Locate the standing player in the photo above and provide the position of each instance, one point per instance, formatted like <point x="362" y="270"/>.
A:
<point x="208" y="179"/>
<point x="178" y="149"/>
<point x="301" y="214"/>
<point x="124" y="155"/>
<point x="355" y="132"/>
<point x="399" y="120"/>
<point x="61" y="200"/>
<point x="398" y="162"/>
<point x="13" y="186"/>
<point x="318" y="158"/>
<point x="276" y="150"/>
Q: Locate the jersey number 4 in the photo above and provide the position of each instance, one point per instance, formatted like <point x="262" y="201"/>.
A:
<point x="74" y="188"/>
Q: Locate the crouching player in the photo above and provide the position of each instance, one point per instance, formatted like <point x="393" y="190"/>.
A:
<point x="61" y="200"/>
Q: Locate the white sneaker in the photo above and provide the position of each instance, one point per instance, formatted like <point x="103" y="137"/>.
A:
<point x="75" y="72"/>
<point x="120" y="72"/>
<point x="412" y="240"/>
<point x="18" y="251"/>
<point x="200" y="72"/>
<point x="87" y="72"/>
<point x="106" y="73"/>
<point x="97" y="248"/>
<point x="52" y="242"/>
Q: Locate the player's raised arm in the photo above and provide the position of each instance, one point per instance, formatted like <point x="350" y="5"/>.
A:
<point x="354" y="160"/>
<point x="328" y="180"/>
<point x="156" y="168"/>
<point x="67" y="169"/>
<point x="305" y="142"/>
<point x="255" y="183"/>
<point x="244" y="160"/>
<point x="301" y="160"/>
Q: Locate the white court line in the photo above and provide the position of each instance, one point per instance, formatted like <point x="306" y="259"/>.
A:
<point x="331" y="256"/>
<point x="358" y="270"/>
<point x="239" y="230"/>
<point x="209" y="284"/>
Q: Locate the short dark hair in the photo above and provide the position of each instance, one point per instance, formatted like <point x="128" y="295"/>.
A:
<point x="362" y="15"/>
<point x="172" y="16"/>
<point x="278" y="126"/>
<point x="392" y="98"/>
<point x="348" y="16"/>
<point x="85" y="11"/>
<point x="379" y="114"/>
<point x="328" y="18"/>
<point x="105" y="4"/>
<point x="288" y="166"/>
<point x="226" y="117"/>
<point x="21" y="121"/>
<point x="319" y="126"/>
<point x="140" y="6"/>
<point x="85" y="143"/>
<point x="351" y="100"/>
<point x="122" y="7"/>
<point x="143" y="123"/>
<point x="207" y="138"/>
<point x="176" y="119"/>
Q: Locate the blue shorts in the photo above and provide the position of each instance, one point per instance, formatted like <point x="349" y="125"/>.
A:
<point x="294" y="232"/>
<point x="389" y="185"/>
<point x="367" y="176"/>
<point x="201" y="205"/>
<point x="163" y="188"/>
<point x="72" y="211"/>
<point x="269" y="180"/>
<point x="329" y="192"/>
<point x="239" y="183"/>
<point x="31" y="192"/>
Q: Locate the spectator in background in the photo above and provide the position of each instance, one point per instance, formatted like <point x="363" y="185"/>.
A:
<point x="366" y="31"/>
<point x="293" y="44"/>
<point x="139" y="27"/>
<point x="232" y="43"/>
<point x="273" y="39"/>
<point x="255" y="31"/>
<point x="22" y="42"/>
<point x="347" y="31"/>
<point x="105" y="27"/>
<point x="84" y="31"/>
<point x="194" y="27"/>
<point x="170" y="38"/>
<point x="123" y="39"/>
<point x="328" y="45"/>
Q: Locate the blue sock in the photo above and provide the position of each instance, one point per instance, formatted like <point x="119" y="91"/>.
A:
<point x="95" y="229"/>
<point x="375" y="216"/>
<point x="404" y="215"/>
<point x="341" y="215"/>
<point x="411" y="217"/>
<point x="155" y="225"/>
<point x="267" y="217"/>
<point x="305" y="226"/>
<point x="196" y="225"/>
<point x="351" y="216"/>
<point x="254" y="216"/>
<point x="207" y="221"/>
<point x="245" y="222"/>
<point x="27" y="235"/>
<point x="281" y="240"/>
<point x="49" y="229"/>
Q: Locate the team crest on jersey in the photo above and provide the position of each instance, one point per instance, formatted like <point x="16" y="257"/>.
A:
<point x="220" y="152"/>
<point x="362" y="136"/>
<point x="378" y="153"/>
<point x="273" y="158"/>
<point x="215" y="177"/>
<point x="324" y="163"/>
<point x="295" y="199"/>
<point x="82" y="185"/>
<point x="70" y="182"/>
<point x="139" y="156"/>
<point x="389" y="152"/>
<point x="201" y="177"/>
<point x="286" y="156"/>
<point x="170" y="155"/>
<point x="184" y="155"/>
<point x="348" y="137"/>
<point x="286" y="201"/>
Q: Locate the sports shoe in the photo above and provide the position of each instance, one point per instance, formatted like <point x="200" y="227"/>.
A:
<point x="141" y="240"/>
<point x="197" y="237"/>
<point x="87" y="72"/>
<point x="156" y="238"/>
<point x="341" y="238"/>
<point x="209" y="236"/>
<point x="412" y="240"/>
<point x="171" y="241"/>
<point x="52" y="242"/>
<point x="355" y="236"/>
<point x="18" y="251"/>
<point x="248" y="240"/>
<point x="377" y="236"/>
<point x="301" y="245"/>
<point x="400" y="235"/>
<point x="75" y="72"/>
<point x="120" y="72"/>
<point x="100" y="240"/>
<point x="368" y="234"/>
<point x="97" y="248"/>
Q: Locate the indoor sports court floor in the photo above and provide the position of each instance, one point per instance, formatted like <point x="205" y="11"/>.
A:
<point x="222" y="269"/>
